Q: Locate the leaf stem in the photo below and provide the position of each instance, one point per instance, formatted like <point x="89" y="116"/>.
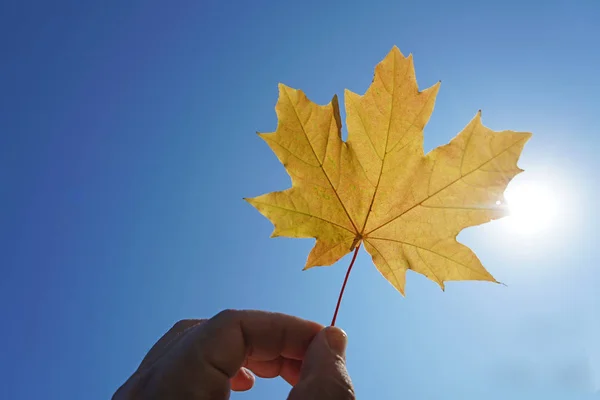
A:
<point x="337" y="307"/>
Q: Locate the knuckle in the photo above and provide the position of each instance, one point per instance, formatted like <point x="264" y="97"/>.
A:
<point x="184" y="324"/>
<point x="227" y="314"/>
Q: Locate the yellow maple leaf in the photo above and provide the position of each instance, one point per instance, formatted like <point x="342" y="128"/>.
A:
<point x="378" y="187"/>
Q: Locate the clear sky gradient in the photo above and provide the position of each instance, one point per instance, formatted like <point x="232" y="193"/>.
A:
<point x="127" y="142"/>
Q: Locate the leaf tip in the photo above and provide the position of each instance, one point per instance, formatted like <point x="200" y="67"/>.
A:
<point x="308" y="266"/>
<point x="283" y="88"/>
<point x="395" y="51"/>
<point x="435" y="87"/>
<point x="265" y="135"/>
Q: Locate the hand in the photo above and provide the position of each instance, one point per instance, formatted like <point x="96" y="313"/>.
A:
<point x="205" y="359"/>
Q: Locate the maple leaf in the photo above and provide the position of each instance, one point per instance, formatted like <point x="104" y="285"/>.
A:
<point x="378" y="187"/>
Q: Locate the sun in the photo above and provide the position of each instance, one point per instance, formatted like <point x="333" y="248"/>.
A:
<point x="532" y="207"/>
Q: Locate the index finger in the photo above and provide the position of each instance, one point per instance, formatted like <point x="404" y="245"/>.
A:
<point x="226" y="340"/>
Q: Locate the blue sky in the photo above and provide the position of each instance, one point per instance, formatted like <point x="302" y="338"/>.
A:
<point x="127" y="142"/>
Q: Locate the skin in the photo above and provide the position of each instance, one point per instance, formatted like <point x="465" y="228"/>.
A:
<point x="206" y="359"/>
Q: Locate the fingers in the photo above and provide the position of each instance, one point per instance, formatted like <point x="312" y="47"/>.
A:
<point x="286" y="368"/>
<point x="206" y="359"/>
<point x="323" y="374"/>
<point x="231" y="337"/>
<point x="242" y="381"/>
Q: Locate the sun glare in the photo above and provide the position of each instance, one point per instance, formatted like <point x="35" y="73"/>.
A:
<point x="533" y="208"/>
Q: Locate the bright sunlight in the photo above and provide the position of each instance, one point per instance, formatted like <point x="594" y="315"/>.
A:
<point x="533" y="207"/>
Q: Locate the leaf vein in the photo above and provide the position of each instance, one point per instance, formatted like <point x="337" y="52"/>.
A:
<point x="321" y="165"/>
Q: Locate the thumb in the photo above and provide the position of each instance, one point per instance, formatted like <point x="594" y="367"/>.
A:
<point x="323" y="374"/>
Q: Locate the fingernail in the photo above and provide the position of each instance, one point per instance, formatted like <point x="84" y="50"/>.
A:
<point x="337" y="340"/>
